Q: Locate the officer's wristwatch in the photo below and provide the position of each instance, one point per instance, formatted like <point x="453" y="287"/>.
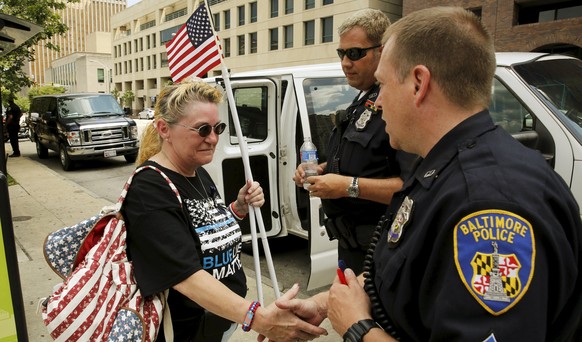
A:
<point x="354" y="189"/>
<point x="357" y="331"/>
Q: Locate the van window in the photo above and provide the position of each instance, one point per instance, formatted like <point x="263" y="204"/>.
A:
<point x="559" y="83"/>
<point x="324" y="97"/>
<point x="506" y="111"/>
<point x="251" y="105"/>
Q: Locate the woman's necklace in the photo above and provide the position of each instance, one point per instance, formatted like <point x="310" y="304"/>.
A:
<point x="205" y="196"/>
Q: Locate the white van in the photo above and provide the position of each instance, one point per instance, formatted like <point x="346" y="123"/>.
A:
<point x="536" y="97"/>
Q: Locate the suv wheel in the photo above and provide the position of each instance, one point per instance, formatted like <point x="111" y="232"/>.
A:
<point x="130" y="158"/>
<point x="66" y="161"/>
<point x="41" y="151"/>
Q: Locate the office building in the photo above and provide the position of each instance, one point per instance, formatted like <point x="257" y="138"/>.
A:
<point x="255" y="34"/>
<point x="523" y="25"/>
<point x="83" y="18"/>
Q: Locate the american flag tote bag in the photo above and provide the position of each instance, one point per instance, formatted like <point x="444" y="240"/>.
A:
<point x="98" y="299"/>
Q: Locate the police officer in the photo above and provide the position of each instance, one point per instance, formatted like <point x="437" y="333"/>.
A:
<point x="361" y="173"/>
<point x="13" y="114"/>
<point x="483" y="242"/>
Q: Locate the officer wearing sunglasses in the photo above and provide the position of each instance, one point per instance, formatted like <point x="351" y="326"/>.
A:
<point x="362" y="172"/>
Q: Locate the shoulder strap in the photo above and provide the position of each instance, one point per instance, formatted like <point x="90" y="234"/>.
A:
<point x="136" y="171"/>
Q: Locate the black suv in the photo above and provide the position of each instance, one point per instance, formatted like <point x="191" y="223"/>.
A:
<point x="82" y="126"/>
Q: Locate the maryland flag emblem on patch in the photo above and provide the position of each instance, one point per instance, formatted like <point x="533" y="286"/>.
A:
<point x="496" y="276"/>
<point x="495" y="257"/>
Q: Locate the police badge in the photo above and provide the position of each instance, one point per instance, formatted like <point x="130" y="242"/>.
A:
<point x="363" y="120"/>
<point x="400" y="221"/>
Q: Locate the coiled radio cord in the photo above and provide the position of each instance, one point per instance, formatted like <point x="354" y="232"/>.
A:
<point x="378" y="312"/>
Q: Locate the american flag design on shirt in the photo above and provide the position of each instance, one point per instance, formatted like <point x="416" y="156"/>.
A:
<point x="220" y="236"/>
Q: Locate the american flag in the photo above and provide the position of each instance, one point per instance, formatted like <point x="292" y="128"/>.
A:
<point x="194" y="50"/>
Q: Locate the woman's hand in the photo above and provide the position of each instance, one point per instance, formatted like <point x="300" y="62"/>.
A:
<point x="250" y="194"/>
<point x="284" y="324"/>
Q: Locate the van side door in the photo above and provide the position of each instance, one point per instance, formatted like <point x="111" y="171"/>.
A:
<point x="256" y="104"/>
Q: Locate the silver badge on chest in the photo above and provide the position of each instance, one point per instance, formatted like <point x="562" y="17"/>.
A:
<point x="363" y="119"/>
<point x="400" y="221"/>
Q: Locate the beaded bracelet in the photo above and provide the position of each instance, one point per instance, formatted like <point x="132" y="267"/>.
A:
<point x="246" y="326"/>
<point x="237" y="215"/>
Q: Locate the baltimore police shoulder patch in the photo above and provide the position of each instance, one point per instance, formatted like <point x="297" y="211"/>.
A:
<point x="495" y="257"/>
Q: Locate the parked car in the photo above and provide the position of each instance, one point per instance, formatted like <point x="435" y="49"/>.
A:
<point x="147" y="113"/>
<point x="82" y="126"/>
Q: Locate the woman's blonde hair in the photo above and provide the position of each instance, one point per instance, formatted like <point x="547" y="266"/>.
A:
<point x="170" y="108"/>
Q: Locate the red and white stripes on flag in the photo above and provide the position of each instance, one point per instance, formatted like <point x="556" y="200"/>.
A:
<point x="194" y="50"/>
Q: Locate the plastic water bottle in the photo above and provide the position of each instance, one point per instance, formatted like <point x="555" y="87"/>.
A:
<point x="308" y="159"/>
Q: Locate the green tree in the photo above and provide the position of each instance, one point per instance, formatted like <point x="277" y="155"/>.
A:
<point x="45" y="90"/>
<point x="115" y="93"/>
<point x="39" y="12"/>
<point x="128" y="98"/>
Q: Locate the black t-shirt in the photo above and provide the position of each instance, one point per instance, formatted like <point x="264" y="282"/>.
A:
<point x="168" y="243"/>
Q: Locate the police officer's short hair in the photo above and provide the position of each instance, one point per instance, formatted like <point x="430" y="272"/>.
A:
<point x="373" y="21"/>
<point x="454" y="44"/>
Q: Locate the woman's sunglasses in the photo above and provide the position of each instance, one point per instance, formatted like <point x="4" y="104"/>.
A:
<point x="206" y="129"/>
<point x="354" y="54"/>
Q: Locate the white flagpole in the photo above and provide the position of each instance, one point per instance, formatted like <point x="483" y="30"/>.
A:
<point x="254" y="213"/>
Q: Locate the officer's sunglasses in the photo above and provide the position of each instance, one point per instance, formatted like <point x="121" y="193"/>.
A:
<point x="354" y="54"/>
<point x="206" y="129"/>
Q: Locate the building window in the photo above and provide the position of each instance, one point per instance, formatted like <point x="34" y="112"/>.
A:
<point x="274" y="8"/>
<point x="274" y="38"/>
<point x="241" y="45"/>
<point x="241" y="15"/>
<point x="226" y="19"/>
<point x="547" y="11"/>
<point x="253" y="40"/>
<point x="100" y="75"/>
<point x="477" y="11"/>
<point x="216" y="22"/>
<point x="149" y="62"/>
<point x="309" y="4"/>
<point x="148" y="42"/>
<point x="309" y="32"/>
<point x="289" y="6"/>
<point x="179" y="13"/>
<point x="327" y="30"/>
<point x="164" y="59"/>
<point x="154" y="62"/>
<point x="141" y="64"/>
<point x="141" y="44"/>
<point x="153" y="40"/>
<point x="147" y="25"/>
<point x="288" y="36"/>
<point x="227" y="47"/>
<point x="253" y="6"/>
<point x="327" y="2"/>
<point x="168" y="34"/>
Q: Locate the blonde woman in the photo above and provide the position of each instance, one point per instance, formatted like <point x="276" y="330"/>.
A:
<point x="194" y="249"/>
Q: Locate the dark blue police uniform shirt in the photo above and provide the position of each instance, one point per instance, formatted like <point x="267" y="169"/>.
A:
<point x="490" y="247"/>
<point x="360" y="153"/>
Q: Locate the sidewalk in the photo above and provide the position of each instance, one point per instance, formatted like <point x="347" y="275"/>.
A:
<point x="44" y="201"/>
